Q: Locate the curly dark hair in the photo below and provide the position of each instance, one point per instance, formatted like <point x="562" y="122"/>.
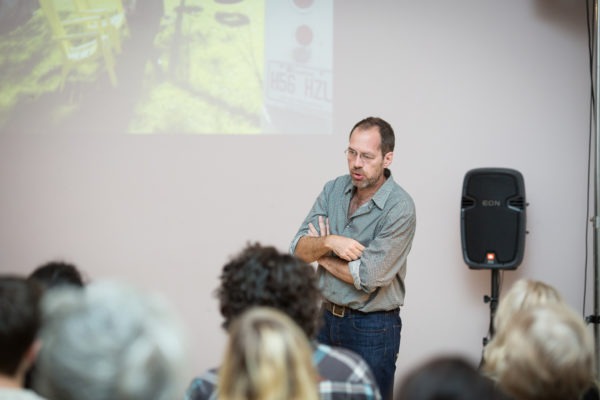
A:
<point x="262" y="276"/>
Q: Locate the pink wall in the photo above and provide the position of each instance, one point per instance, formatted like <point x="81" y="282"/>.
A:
<point x="465" y="84"/>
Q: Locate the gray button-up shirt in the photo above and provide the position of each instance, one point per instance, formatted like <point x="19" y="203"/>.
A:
<point x="385" y="225"/>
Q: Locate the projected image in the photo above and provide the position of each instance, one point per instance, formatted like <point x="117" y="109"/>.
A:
<point x="166" y="66"/>
<point x="298" y="87"/>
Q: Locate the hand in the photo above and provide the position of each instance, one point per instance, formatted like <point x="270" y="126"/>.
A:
<point x="323" y="228"/>
<point x="345" y="248"/>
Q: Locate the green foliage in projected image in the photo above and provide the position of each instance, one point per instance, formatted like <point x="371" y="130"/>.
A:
<point x="211" y="56"/>
<point x="30" y="66"/>
<point x="197" y="69"/>
<point x="27" y="65"/>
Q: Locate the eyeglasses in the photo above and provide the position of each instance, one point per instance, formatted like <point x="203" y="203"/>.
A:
<point x="365" y="157"/>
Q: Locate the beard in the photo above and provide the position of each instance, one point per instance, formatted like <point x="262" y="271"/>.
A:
<point x="366" y="182"/>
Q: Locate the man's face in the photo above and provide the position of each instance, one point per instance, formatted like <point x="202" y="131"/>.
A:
<point x="365" y="161"/>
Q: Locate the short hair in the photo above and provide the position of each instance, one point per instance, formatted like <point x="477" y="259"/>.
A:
<point x="267" y="357"/>
<point x="57" y="273"/>
<point x="524" y="293"/>
<point x="545" y="352"/>
<point x="385" y="132"/>
<point x="108" y="341"/>
<point x="19" y="321"/>
<point x="262" y="276"/>
<point x="448" y="378"/>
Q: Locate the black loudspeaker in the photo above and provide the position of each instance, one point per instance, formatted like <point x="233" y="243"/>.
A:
<point x="492" y="218"/>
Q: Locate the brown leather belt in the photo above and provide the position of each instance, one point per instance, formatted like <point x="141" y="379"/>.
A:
<point x="341" y="311"/>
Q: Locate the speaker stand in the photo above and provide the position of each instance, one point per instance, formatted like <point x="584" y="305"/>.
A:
<point x="595" y="318"/>
<point x="493" y="300"/>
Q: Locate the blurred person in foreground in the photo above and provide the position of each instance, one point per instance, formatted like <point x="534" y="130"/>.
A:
<point x="19" y="325"/>
<point x="268" y="357"/>
<point x="447" y="378"/>
<point x="109" y="342"/>
<point x="263" y="276"/>
<point x="53" y="274"/>
<point x="57" y="273"/>
<point x="524" y="293"/>
<point x="544" y="352"/>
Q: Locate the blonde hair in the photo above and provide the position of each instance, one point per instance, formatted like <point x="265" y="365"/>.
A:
<point x="268" y="357"/>
<point x="545" y="353"/>
<point x="524" y="293"/>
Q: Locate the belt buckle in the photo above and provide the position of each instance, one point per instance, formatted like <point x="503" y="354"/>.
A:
<point x="341" y="315"/>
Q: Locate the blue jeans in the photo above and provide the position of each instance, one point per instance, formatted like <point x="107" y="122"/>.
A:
<point x="374" y="336"/>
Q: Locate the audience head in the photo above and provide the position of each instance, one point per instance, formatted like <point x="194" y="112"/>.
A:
<point x="19" y="324"/>
<point x="108" y="342"/>
<point x="262" y="276"/>
<point x="268" y="357"/>
<point x="447" y="378"/>
<point x="545" y="352"/>
<point x="57" y="273"/>
<point x="524" y="293"/>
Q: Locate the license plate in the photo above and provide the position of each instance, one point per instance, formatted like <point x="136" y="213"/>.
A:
<point x="299" y="86"/>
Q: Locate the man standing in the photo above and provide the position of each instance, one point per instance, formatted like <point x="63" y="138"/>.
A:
<point x="366" y="225"/>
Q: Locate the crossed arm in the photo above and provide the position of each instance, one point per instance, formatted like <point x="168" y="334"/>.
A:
<point x="318" y="247"/>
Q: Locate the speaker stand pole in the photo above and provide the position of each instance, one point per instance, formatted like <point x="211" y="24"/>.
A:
<point x="595" y="319"/>
<point x="493" y="300"/>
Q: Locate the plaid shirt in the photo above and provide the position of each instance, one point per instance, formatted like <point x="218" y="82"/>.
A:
<point x="343" y="375"/>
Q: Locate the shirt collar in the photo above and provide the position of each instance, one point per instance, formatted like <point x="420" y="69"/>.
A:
<point x="380" y="197"/>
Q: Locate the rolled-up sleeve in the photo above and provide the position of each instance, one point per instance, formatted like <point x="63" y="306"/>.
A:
<point x="354" y="267"/>
<point x="385" y="256"/>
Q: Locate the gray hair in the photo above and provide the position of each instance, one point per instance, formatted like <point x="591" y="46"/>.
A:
<point x="109" y="342"/>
